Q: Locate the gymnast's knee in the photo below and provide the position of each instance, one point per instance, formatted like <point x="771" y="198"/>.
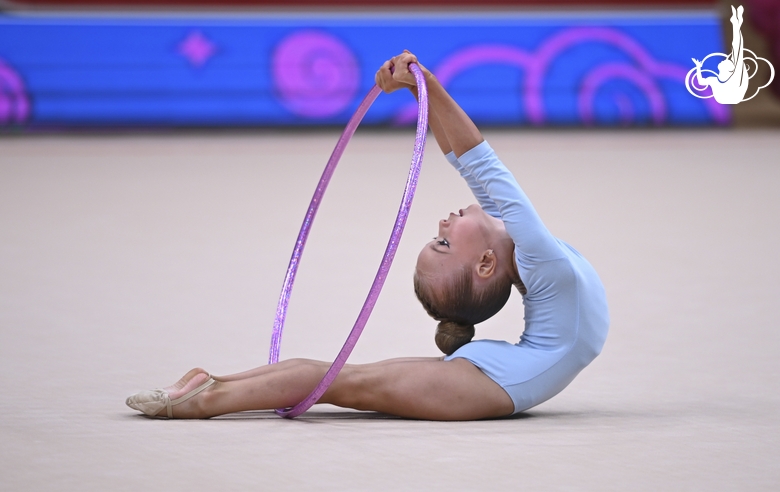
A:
<point x="355" y="387"/>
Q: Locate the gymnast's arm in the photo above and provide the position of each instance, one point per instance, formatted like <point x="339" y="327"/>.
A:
<point x="534" y="242"/>
<point x="452" y="128"/>
<point x="385" y="80"/>
<point x="441" y="138"/>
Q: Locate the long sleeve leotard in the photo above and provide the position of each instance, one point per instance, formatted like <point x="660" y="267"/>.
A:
<point x="566" y="316"/>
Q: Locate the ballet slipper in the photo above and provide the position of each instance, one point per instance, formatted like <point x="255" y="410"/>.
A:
<point x="151" y="402"/>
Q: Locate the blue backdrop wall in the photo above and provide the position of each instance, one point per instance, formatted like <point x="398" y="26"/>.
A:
<point x="277" y="69"/>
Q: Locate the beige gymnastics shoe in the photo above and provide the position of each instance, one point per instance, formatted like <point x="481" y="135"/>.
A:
<point x="151" y="402"/>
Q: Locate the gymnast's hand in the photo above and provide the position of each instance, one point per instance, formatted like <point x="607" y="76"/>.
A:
<point x="394" y="74"/>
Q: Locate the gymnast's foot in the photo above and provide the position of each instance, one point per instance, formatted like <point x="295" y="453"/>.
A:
<point x="175" y="401"/>
<point x="187" y="383"/>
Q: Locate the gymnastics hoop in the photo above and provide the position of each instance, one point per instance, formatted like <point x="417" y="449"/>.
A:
<point x="387" y="259"/>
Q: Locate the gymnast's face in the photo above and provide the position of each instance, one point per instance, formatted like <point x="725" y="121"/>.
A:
<point x="461" y="240"/>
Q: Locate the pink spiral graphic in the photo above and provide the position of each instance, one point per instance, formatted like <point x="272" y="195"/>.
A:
<point x="315" y="74"/>
<point x="604" y="73"/>
<point x="14" y="104"/>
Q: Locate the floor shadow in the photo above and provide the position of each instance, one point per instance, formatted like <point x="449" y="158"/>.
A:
<point x="310" y="415"/>
<point x="339" y="415"/>
<point x="318" y="415"/>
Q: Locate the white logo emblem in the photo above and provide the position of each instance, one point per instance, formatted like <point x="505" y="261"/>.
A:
<point x="730" y="84"/>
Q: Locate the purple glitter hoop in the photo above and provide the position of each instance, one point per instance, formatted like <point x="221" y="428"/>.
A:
<point x="387" y="259"/>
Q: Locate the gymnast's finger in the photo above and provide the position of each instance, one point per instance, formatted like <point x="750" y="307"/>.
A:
<point x="402" y="73"/>
<point x="385" y="68"/>
<point x="381" y="75"/>
<point x="412" y="58"/>
<point x="409" y="58"/>
<point x="378" y="76"/>
<point x="405" y="59"/>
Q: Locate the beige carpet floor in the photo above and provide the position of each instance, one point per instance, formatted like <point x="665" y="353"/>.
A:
<point x="126" y="260"/>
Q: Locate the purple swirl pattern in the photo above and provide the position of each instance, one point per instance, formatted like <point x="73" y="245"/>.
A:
<point x="315" y="74"/>
<point x="14" y="102"/>
<point x="644" y="73"/>
<point x="611" y="71"/>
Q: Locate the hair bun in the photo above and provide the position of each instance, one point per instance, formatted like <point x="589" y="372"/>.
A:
<point x="450" y="336"/>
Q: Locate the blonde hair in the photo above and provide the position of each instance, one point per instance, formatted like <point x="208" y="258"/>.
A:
<point x="458" y="306"/>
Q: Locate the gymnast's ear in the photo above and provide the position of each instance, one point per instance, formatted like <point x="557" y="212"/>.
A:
<point x="486" y="266"/>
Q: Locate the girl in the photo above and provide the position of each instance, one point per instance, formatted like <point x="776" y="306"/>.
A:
<point x="463" y="277"/>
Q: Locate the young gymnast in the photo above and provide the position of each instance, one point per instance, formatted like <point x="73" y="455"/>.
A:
<point x="463" y="277"/>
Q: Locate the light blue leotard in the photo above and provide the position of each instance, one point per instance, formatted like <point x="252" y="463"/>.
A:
<point x="566" y="317"/>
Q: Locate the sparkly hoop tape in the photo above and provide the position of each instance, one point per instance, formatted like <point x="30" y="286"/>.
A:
<point x="387" y="259"/>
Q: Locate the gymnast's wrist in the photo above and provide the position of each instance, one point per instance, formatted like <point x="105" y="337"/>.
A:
<point x="430" y="78"/>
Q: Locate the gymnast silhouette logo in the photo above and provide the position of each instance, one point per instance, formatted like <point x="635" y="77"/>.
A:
<point x="730" y="84"/>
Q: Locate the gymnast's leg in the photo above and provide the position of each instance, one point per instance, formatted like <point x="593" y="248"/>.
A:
<point x="197" y="376"/>
<point x="292" y="362"/>
<point x="431" y="390"/>
<point x="416" y="388"/>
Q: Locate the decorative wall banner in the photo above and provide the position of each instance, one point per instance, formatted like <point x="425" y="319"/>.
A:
<point x="14" y="104"/>
<point x="282" y="69"/>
